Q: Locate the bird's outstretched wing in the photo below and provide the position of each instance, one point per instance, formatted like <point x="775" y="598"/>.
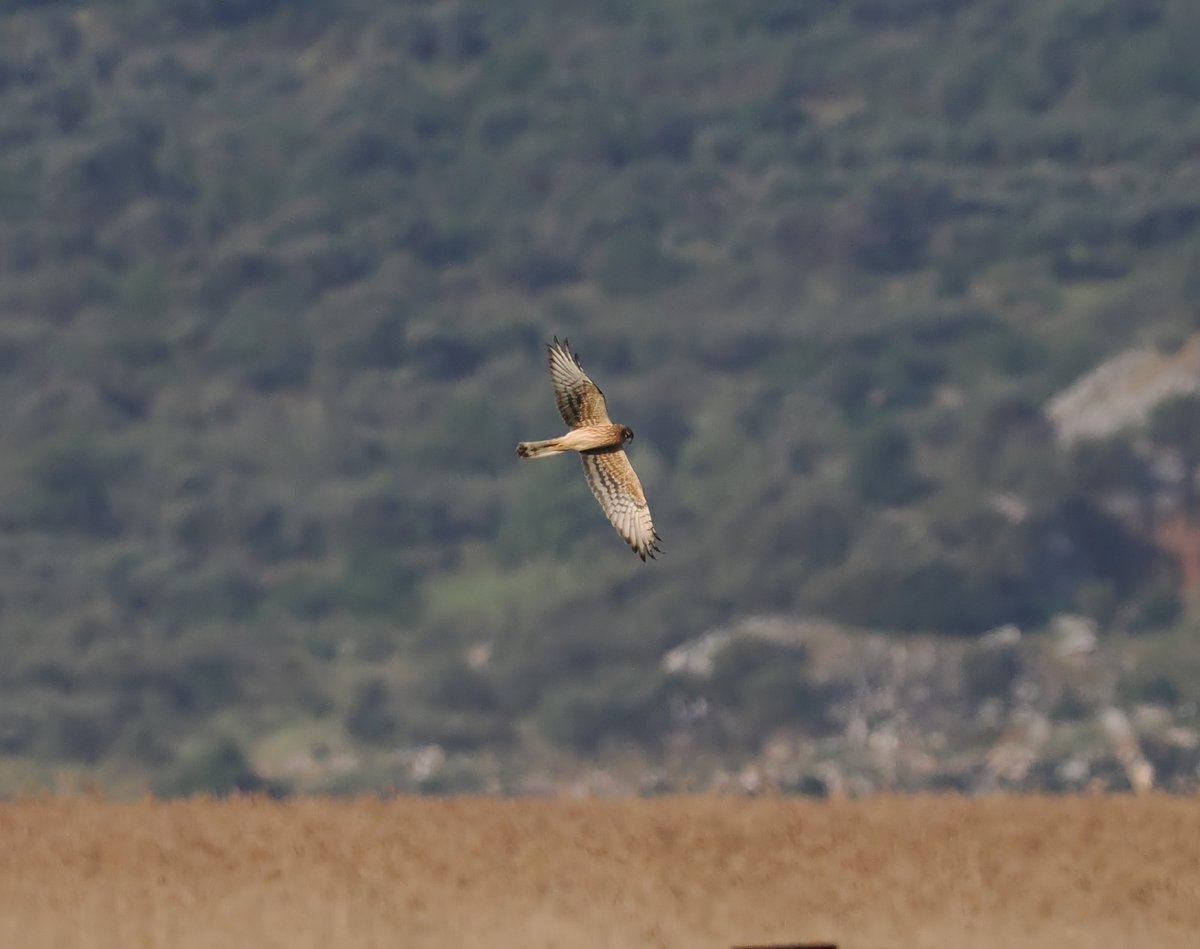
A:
<point x="616" y="486"/>
<point x="580" y="401"/>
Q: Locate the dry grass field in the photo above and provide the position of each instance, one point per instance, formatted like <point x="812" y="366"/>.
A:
<point x="883" y="873"/>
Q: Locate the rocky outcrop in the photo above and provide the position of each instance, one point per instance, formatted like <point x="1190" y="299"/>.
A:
<point x="1124" y="391"/>
<point x="1008" y="711"/>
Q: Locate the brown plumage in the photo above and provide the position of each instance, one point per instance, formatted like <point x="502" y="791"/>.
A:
<point x="599" y="442"/>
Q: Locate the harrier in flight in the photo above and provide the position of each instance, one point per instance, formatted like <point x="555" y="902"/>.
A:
<point x="599" y="441"/>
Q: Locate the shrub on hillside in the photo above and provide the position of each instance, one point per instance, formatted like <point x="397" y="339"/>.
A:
<point x="766" y="686"/>
<point x="221" y="768"/>
<point x="622" y="704"/>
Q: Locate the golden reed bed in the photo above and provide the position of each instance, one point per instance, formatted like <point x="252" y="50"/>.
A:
<point x="678" y="872"/>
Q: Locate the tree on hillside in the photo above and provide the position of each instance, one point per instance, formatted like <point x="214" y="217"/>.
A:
<point x="1113" y="465"/>
<point x="1175" y="426"/>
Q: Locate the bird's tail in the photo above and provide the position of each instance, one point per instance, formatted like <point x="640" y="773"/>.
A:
<point x="539" y="449"/>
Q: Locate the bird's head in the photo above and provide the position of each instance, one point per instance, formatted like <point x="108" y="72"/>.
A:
<point x="626" y="433"/>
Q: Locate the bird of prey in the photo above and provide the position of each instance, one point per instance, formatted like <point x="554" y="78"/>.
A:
<point x="599" y="441"/>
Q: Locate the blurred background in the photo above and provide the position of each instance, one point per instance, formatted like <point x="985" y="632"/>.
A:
<point x="900" y="296"/>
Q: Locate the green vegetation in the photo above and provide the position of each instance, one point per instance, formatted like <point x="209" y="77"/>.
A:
<point x="277" y="279"/>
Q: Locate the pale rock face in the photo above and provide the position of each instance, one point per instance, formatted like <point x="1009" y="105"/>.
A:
<point x="1124" y="390"/>
<point x="1074" y="635"/>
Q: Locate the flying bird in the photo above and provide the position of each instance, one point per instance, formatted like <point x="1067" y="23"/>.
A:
<point x="599" y="441"/>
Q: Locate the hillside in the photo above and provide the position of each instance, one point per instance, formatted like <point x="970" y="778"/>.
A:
<point x="277" y="280"/>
